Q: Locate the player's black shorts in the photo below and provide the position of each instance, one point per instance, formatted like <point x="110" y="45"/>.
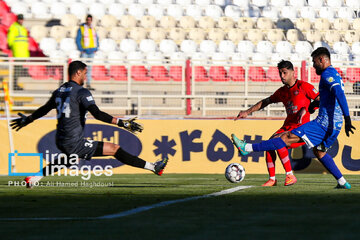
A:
<point x="85" y="148"/>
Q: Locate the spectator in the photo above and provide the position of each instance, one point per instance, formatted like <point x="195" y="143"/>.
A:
<point x="87" y="43"/>
<point x="18" y="41"/>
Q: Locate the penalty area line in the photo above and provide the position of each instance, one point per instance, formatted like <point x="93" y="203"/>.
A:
<point x="132" y="211"/>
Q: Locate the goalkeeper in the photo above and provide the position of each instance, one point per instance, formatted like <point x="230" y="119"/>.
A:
<point x="72" y="101"/>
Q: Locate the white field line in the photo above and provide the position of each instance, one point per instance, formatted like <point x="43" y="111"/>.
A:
<point x="131" y="211"/>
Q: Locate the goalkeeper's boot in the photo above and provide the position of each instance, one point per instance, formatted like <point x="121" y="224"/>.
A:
<point x="290" y="180"/>
<point x="160" y="166"/>
<point x="32" y="181"/>
<point x="240" y="145"/>
<point x="270" y="183"/>
<point x="345" y="186"/>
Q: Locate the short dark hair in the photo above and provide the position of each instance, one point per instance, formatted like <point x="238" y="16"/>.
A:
<point x="285" y="64"/>
<point x="75" y="66"/>
<point x="321" y="51"/>
<point x="89" y="16"/>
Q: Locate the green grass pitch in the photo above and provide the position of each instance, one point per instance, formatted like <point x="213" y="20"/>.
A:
<point x="311" y="209"/>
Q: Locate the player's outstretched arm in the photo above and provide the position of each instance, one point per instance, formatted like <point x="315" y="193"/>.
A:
<point x="20" y="122"/>
<point x="129" y="124"/>
<point x="260" y="105"/>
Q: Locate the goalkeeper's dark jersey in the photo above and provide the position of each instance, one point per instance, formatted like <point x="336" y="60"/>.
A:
<point x="72" y="101"/>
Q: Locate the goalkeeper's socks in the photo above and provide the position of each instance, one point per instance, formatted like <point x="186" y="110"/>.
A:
<point x="330" y="165"/>
<point x="270" y="163"/>
<point x="284" y="157"/>
<point x="271" y="144"/>
<point x="129" y="159"/>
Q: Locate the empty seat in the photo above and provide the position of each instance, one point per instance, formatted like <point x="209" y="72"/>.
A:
<point x="278" y="3"/>
<point x="218" y="73"/>
<point x="117" y="10"/>
<point x="257" y="74"/>
<point x="206" y="22"/>
<point x="355" y="48"/>
<point x="303" y="47"/>
<point x="167" y="22"/>
<point x="202" y="2"/>
<point x="118" y="73"/>
<point x="116" y="57"/>
<point x="128" y="45"/>
<point x="156" y="11"/>
<point x="313" y="36"/>
<point x="322" y="44"/>
<point x="157" y="34"/>
<point x="303" y="24"/>
<point x="39" y="10"/>
<point x="48" y="45"/>
<point x="341" y="24"/>
<point x="275" y="35"/>
<point x="341" y="48"/>
<point x="252" y="11"/>
<point x="194" y="11"/>
<point x="159" y="73"/>
<point x="351" y="36"/>
<point x="196" y="34"/>
<point x="328" y="13"/>
<point x="246" y="46"/>
<point x="155" y="57"/>
<point x="138" y="34"/>
<point x="199" y="58"/>
<point x="335" y="3"/>
<point x="346" y="13"/>
<point x="226" y="23"/>
<point x="322" y="24"/>
<point x="235" y="35"/>
<point x="38" y="32"/>
<point x="107" y="45"/>
<point x="245" y="23"/>
<point x="101" y="32"/>
<point x="271" y="13"/>
<point x="227" y="46"/>
<point x="135" y="57"/>
<point x="353" y="74"/>
<point x="67" y="44"/>
<point x="175" y="73"/>
<point x="208" y="47"/>
<point x="308" y="12"/>
<point x="244" y="4"/>
<point x="175" y="11"/>
<point x="167" y="47"/>
<point x="69" y="20"/>
<point x="236" y="73"/>
<point x="289" y="12"/>
<point x="264" y="23"/>
<point x="97" y="10"/>
<point x="265" y="47"/>
<point x="297" y="3"/>
<point x="255" y="35"/>
<point x="147" y="45"/>
<point x="164" y="2"/>
<point x="284" y="47"/>
<point x="58" y="9"/>
<point x="145" y="2"/>
<point x="216" y="34"/>
<point x="332" y="36"/>
<point x="315" y="3"/>
<point x="188" y="46"/>
<point x="294" y="35"/>
<point x="136" y="10"/>
<point x="213" y="11"/>
<point x="178" y="57"/>
<point x="184" y="3"/>
<point x="273" y="74"/>
<point x="118" y="34"/>
<point x="355" y="4"/>
<point x="99" y="72"/>
<point x="139" y="73"/>
<point x="148" y="22"/>
<point x="259" y="58"/>
<point x="108" y="21"/>
<point x="78" y="9"/>
<point x="200" y="74"/>
<point x="128" y="21"/>
<point x="219" y="57"/>
<point x="187" y="22"/>
<point x="233" y="12"/>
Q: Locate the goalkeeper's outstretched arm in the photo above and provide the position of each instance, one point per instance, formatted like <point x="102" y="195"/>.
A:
<point x="129" y="124"/>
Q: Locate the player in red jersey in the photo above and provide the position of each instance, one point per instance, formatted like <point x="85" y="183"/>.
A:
<point x="296" y="96"/>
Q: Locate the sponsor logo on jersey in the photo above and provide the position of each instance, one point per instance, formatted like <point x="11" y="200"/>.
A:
<point x="296" y="92"/>
<point x="90" y="98"/>
<point x="330" y="79"/>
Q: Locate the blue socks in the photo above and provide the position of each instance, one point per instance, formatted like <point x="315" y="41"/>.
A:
<point x="330" y="165"/>
<point x="271" y="144"/>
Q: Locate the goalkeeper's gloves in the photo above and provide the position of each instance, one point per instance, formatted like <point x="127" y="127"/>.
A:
<point x="130" y="125"/>
<point x="348" y="127"/>
<point x="21" y="122"/>
<point x="313" y="106"/>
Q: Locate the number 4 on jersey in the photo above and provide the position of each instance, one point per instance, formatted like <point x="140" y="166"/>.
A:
<point x="63" y="107"/>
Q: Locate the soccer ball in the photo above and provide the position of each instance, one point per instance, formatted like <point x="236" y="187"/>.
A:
<point x="235" y="173"/>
